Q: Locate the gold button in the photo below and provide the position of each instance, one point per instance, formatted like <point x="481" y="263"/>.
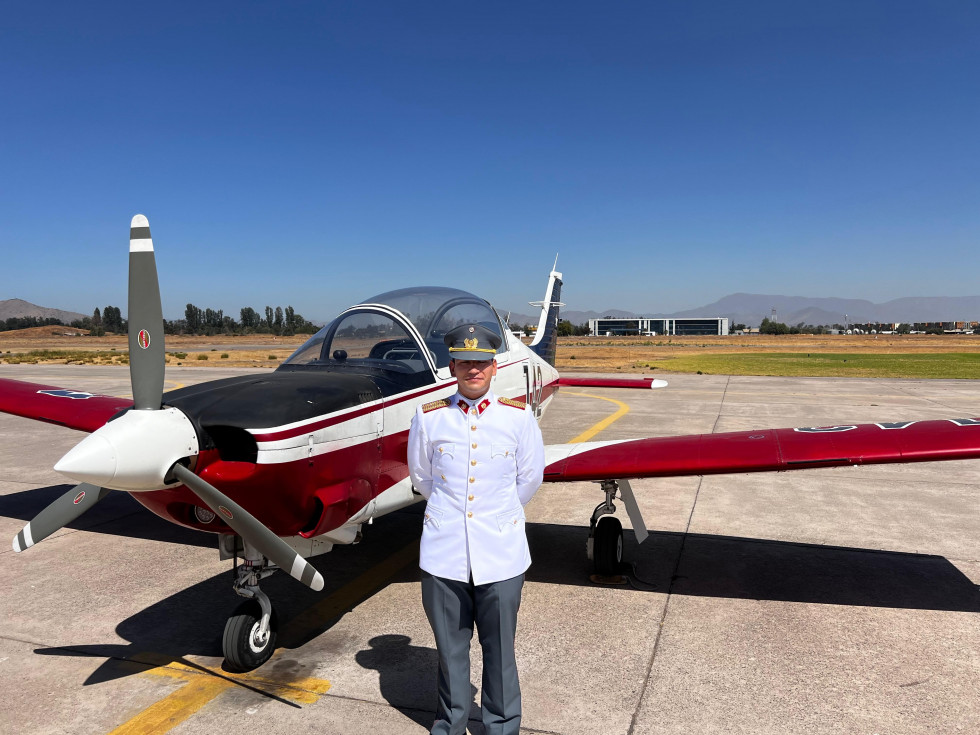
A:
<point x="440" y="450"/>
<point x="473" y="411"/>
<point x="473" y="462"/>
<point x="443" y="477"/>
<point x="469" y="515"/>
<point x="472" y="497"/>
<point x="473" y="428"/>
<point x="472" y="480"/>
<point x="474" y="445"/>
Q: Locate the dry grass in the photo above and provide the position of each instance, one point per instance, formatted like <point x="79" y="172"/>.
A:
<point x="66" y="345"/>
<point x="679" y="354"/>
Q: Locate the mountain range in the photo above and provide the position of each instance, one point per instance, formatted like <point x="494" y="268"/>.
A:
<point x="751" y="309"/>
<point x="744" y="308"/>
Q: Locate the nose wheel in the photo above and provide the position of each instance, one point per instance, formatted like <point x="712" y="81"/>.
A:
<point x="250" y="632"/>
<point x="245" y="644"/>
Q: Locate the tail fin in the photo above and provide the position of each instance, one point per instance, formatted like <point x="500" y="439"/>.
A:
<point x="545" y="342"/>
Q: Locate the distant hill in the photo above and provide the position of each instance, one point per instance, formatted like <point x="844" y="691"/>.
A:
<point x="19" y="308"/>
<point x="751" y="309"/>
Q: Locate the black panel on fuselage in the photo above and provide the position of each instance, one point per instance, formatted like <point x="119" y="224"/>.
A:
<point x="274" y="399"/>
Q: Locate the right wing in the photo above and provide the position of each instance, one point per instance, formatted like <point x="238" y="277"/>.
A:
<point x="73" y="409"/>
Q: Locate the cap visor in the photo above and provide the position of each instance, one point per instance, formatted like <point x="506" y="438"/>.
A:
<point x="474" y="355"/>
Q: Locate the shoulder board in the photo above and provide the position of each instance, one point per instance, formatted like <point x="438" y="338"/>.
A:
<point x="441" y="403"/>
<point x="511" y="402"/>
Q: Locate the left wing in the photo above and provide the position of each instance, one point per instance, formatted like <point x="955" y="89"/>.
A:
<point x="768" y="450"/>
<point x="74" y="409"/>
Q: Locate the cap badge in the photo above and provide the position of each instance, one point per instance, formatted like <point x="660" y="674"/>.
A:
<point x="472" y="329"/>
<point x="471" y="344"/>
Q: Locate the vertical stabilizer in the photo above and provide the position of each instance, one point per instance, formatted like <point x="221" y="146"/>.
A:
<point x="545" y="342"/>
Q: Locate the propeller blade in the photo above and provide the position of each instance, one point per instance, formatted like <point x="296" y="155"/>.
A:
<point x="146" y="344"/>
<point x="59" y="514"/>
<point x="251" y="530"/>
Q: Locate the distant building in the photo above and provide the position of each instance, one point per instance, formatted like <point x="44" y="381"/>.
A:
<point x="690" y="326"/>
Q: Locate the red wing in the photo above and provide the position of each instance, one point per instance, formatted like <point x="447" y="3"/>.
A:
<point x="612" y="382"/>
<point x="769" y="450"/>
<point x="74" y="409"/>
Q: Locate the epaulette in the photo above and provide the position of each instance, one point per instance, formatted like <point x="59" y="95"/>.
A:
<point x="511" y="402"/>
<point x="441" y="403"/>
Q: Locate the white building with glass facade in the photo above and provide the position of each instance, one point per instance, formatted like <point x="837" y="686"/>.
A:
<point x="655" y="327"/>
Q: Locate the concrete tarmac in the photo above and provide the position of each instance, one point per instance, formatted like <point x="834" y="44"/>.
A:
<point x="820" y="601"/>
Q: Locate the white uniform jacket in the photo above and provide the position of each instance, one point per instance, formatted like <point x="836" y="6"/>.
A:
<point x="477" y="466"/>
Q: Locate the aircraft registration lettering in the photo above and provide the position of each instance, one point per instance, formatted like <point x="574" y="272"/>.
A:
<point x="823" y="429"/>
<point x="966" y="422"/>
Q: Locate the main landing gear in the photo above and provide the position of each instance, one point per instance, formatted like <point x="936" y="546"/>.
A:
<point x="605" y="544"/>
<point x="250" y="633"/>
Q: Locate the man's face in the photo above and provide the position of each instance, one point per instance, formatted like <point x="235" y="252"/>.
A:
<point x="473" y="376"/>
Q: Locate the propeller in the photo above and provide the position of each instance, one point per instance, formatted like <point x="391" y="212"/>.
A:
<point x="59" y="514"/>
<point x="140" y="450"/>
<point x="249" y="528"/>
<point x="146" y="344"/>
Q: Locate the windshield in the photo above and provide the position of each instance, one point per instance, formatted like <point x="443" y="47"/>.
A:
<point x="367" y="336"/>
<point x="363" y="337"/>
<point x="434" y="310"/>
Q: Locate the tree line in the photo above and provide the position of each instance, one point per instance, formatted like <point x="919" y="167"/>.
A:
<point x="197" y="321"/>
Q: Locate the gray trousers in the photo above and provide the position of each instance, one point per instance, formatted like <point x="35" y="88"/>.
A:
<point x="452" y="608"/>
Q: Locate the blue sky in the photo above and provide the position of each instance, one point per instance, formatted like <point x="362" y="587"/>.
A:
<point x="315" y="153"/>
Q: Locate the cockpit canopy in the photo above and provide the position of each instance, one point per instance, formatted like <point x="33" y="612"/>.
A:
<point x="374" y="334"/>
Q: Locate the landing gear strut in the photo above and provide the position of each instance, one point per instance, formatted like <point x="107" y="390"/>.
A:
<point x="250" y="633"/>
<point x="605" y="544"/>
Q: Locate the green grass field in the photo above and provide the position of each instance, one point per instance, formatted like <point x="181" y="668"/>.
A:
<point x="817" y="364"/>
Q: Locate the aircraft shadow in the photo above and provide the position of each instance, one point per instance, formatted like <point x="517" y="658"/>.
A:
<point x="190" y="622"/>
<point x="758" y="569"/>
<point x="105" y="516"/>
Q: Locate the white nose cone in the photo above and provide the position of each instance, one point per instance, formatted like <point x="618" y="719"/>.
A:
<point x="92" y="460"/>
<point x="133" y="452"/>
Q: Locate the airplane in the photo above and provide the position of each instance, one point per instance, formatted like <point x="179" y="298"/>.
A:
<point x="282" y="466"/>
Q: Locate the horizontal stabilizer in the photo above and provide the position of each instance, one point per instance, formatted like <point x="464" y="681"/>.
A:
<point x="612" y="382"/>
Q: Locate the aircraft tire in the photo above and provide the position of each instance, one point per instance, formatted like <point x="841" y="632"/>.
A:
<point x="242" y="652"/>
<point x="608" y="548"/>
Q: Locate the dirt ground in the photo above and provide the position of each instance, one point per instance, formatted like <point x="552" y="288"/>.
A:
<point x="596" y="354"/>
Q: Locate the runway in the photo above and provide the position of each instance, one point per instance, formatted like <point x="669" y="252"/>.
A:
<point x="822" y="601"/>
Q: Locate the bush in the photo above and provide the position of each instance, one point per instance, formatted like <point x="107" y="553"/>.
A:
<point x="224" y="355"/>
<point x="202" y="357"/>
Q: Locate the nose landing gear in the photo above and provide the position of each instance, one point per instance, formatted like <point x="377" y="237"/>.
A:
<point x="250" y="632"/>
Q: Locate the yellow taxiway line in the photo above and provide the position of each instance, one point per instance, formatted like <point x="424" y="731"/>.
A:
<point x="204" y="684"/>
<point x="605" y="423"/>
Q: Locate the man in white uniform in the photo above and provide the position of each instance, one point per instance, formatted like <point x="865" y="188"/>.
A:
<point x="478" y="460"/>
